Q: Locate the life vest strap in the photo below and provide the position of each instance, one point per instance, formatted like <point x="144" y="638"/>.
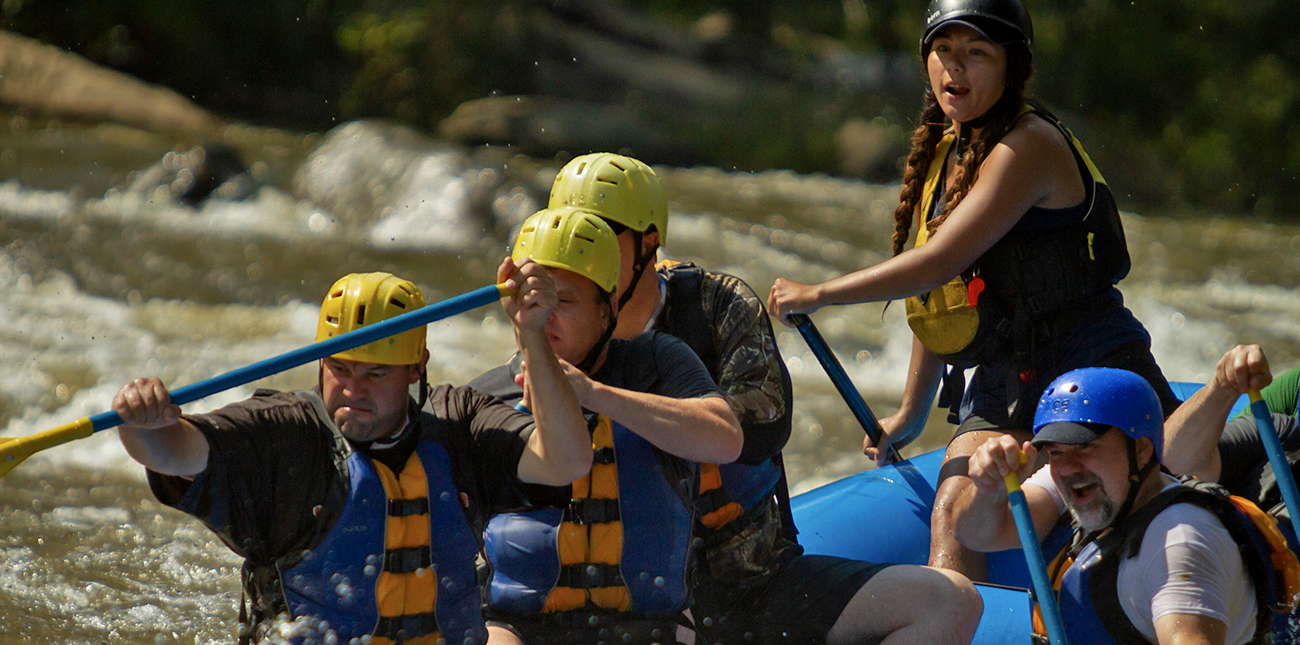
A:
<point x="709" y="501"/>
<point x="592" y="511"/>
<point x="399" y="628"/>
<point x="408" y="507"/>
<point x="407" y="560"/>
<point x="589" y="576"/>
<point x="604" y="456"/>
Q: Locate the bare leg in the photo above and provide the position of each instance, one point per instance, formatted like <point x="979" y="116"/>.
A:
<point x="908" y="604"/>
<point x="502" y="636"/>
<point x="945" y="551"/>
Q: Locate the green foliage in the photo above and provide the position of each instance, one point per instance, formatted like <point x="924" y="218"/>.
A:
<point x="1183" y="103"/>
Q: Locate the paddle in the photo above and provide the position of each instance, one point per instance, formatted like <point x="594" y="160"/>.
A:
<point x="841" y="380"/>
<point x="14" y="450"/>
<point x="1034" y="558"/>
<point x="1276" y="455"/>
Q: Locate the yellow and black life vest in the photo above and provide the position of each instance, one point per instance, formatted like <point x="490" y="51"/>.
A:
<point x="623" y="544"/>
<point x="1039" y="269"/>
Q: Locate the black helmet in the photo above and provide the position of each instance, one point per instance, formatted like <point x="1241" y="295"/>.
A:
<point x="1000" y="21"/>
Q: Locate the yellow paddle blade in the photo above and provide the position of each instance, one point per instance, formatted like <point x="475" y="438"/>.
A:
<point x="14" y="450"/>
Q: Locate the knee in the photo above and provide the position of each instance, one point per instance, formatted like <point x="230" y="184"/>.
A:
<point x="956" y="596"/>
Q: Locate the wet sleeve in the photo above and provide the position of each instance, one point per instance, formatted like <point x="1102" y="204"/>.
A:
<point x="493" y="435"/>
<point x="750" y="370"/>
<point x="1188" y="564"/>
<point x="271" y="476"/>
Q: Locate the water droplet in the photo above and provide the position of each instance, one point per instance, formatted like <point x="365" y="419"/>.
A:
<point x="660" y="582"/>
<point x="344" y="591"/>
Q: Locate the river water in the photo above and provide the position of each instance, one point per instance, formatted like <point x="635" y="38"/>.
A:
<point x="105" y="276"/>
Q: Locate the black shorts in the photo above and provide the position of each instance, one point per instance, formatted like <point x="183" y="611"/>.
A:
<point x="1135" y="357"/>
<point x="580" y="628"/>
<point x="798" y="604"/>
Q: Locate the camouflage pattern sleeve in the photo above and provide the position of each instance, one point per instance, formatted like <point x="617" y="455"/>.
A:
<point x="749" y="368"/>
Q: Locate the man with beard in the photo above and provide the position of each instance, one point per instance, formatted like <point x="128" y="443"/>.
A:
<point x="1153" y="560"/>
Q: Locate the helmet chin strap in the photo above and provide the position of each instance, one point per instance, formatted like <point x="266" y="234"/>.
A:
<point x="639" y="265"/>
<point x="1136" y="476"/>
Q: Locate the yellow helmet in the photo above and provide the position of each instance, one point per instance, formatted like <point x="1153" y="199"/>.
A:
<point x="573" y="239"/>
<point x="360" y="299"/>
<point x="620" y="189"/>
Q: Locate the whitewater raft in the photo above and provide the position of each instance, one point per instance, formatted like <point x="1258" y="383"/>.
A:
<point x="883" y="515"/>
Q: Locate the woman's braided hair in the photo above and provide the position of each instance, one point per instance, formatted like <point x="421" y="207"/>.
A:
<point x="997" y="121"/>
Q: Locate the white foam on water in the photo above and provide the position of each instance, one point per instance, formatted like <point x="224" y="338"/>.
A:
<point x="70" y="352"/>
<point x="428" y="208"/>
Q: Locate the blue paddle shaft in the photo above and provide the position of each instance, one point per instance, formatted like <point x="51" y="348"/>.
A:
<point x="316" y="351"/>
<point x="1043" y="591"/>
<point x="1276" y="455"/>
<point x="841" y="379"/>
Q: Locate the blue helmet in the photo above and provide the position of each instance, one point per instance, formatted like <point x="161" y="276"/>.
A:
<point x="1102" y="396"/>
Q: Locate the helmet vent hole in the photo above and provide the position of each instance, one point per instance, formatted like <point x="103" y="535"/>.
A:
<point x="1073" y="388"/>
<point x="585" y="238"/>
<point x="397" y="303"/>
<point x="361" y="315"/>
<point x="582" y="168"/>
<point x="607" y="181"/>
<point x="333" y="320"/>
<point x="615" y="164"/>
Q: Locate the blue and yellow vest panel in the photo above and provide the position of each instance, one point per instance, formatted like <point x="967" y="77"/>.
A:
<point x="399" y="564"/>
<point x="623" y="544"/>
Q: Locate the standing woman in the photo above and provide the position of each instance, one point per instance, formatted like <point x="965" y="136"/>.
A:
<point x="1018" y="248"/>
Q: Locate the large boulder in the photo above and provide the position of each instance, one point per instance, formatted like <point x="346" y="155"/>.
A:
<point x="53" y="82"/>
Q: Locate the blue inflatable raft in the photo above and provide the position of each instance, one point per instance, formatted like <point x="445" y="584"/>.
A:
<point x="883" y="515"/>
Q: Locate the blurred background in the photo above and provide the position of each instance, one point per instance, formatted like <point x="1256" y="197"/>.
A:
<point x="1194" y="100"/>
<point x="181" y="182"/>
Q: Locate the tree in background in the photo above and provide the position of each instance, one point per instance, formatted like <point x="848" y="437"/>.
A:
<point x="1191" y="103"/>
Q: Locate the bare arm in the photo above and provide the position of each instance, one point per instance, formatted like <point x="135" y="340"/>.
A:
<point x="901" y="428"/>
<point x="1020" y="172"/>
<point x="559" y="448"/>
<point x="703" y="429"/>
<point x="1192" y="432"/>
<point x="1190" y="629"/>
<point x="982" y="514"/>
<point x="154" y="433"/>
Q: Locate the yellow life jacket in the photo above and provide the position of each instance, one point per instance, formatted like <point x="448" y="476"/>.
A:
<point x="598" y="543"/>
<point x="411" y="592"/>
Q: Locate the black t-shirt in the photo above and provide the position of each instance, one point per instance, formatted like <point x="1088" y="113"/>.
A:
<point x="276" y="481"/>
<point x="653" y="363"/>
